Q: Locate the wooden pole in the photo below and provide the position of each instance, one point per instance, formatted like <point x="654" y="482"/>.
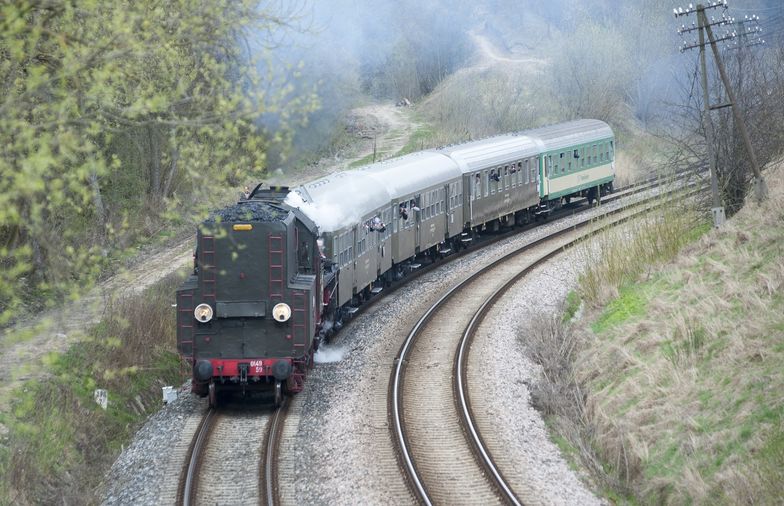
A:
<point x="760" y="187"/>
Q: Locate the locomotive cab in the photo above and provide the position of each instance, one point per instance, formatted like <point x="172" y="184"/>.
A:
<point x="247" y="316"/>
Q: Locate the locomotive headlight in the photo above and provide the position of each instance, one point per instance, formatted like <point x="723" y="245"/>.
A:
<point x="281" y="312"/>
<point x="203" y="313"/>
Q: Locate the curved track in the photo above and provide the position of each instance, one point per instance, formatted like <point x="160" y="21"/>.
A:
<point x="433" y="425"/>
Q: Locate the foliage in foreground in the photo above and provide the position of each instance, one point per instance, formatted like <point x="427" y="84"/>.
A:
<point x="61" y="442"/>
<point x="110" y="114"/>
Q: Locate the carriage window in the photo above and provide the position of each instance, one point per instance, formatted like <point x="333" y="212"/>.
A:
<point x="486" y="179"/>
<point x="535" y="168"/>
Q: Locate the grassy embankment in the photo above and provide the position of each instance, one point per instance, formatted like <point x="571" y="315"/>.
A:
<point x="677" y="361"/>
<point x="60" y="442"/>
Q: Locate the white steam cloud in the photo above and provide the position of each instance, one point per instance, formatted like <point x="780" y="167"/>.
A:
<point x="355" y="196"/>
<point x="329" y="355"/>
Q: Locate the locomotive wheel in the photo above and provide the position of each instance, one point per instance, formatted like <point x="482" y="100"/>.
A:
<point x="278" y="393"/>
<point x="213" y="395"/>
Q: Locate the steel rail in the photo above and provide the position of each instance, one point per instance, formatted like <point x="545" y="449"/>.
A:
<point x="272" y="445"/>
<point x="186" y="493"/>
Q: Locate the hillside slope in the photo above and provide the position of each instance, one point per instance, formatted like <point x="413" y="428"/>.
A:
<point x="683" y="372"/>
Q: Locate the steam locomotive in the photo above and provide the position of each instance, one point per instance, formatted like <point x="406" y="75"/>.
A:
<point x="280" y="271"/>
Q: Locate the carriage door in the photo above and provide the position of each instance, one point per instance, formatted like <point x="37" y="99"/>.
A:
<point x="417" y="202"/>
<point x="449" y="216"/>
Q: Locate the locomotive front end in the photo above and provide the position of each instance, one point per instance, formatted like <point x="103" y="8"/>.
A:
<point x="248" y="315"/>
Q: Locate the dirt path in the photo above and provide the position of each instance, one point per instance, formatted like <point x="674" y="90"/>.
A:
<point x="23" y="346"/>
<point x="489" y="54"/>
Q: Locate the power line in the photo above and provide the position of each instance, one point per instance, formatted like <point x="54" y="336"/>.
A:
<point x="705" y="27"/>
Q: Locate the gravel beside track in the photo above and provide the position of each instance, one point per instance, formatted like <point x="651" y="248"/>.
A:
<point x="498" y="362"/>
<point x="148" y="471"/>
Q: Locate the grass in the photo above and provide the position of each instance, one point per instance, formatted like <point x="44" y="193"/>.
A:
<point x="423" y="137"/>
<point x="680" y="366"/>
<point x="60" y="441"/>
<point x="571" y="306"/>
<point x="631" y="303"/>
<point x="371" y="158"/>
<point x="620" y="256"/>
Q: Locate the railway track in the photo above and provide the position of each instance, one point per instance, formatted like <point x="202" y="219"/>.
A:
<point x="435" y="428"/>
<point x="233" y="458"/>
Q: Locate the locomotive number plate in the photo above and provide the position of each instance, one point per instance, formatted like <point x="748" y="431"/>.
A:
<point x="257" y="366"/>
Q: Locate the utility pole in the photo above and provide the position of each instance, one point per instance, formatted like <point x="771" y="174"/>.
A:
<point x="705" y="27"/>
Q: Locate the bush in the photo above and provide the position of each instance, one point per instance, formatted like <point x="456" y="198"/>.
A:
<point x="61" y="442"/>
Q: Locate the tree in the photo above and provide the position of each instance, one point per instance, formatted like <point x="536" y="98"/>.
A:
<point x="139" y="101"/>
